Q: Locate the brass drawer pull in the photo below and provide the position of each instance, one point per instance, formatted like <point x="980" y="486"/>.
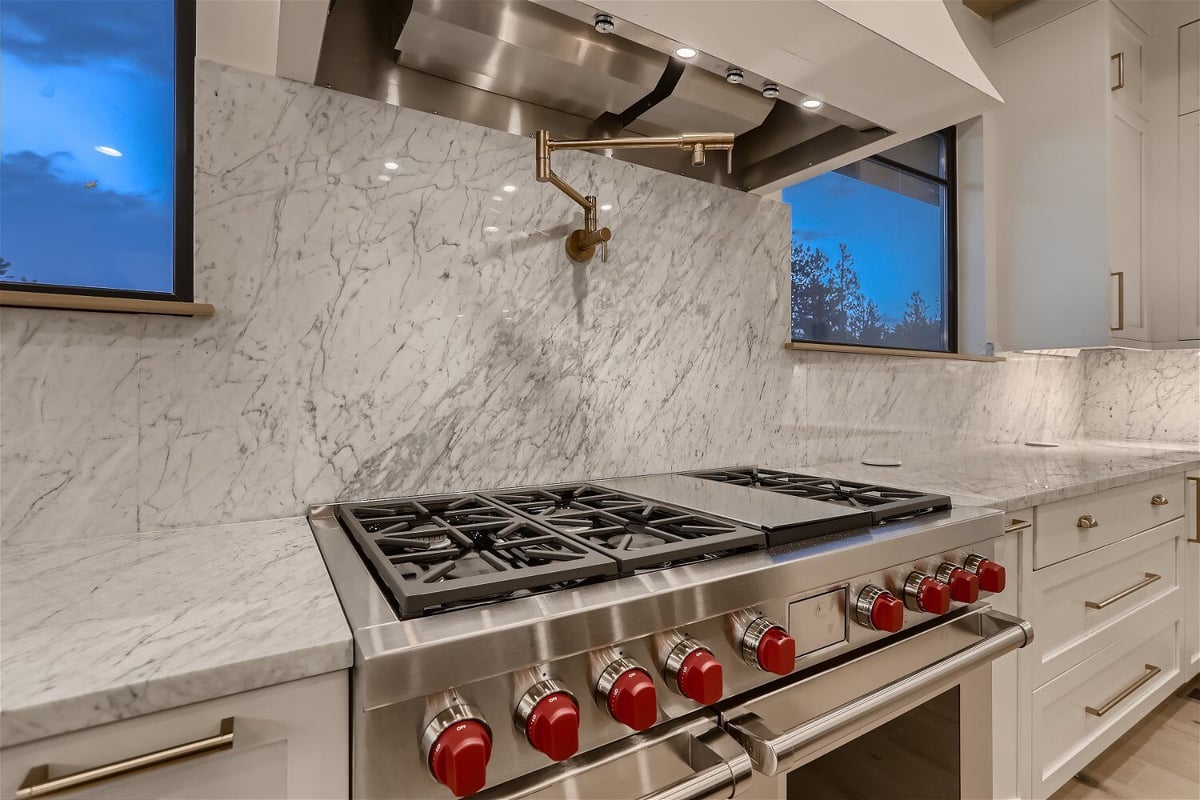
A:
<point x="38" y="782"/>
<point x="1196" y="480"/>
<point x="1087" y="521"/>
<point x="1017" y="525"/>
<point x="1120" y="59"/>
<point x="1151" y="671"/>
<point x="1150" y="578"/>
<point x="1159" y="500"/>
<point x="1120" y="276"/>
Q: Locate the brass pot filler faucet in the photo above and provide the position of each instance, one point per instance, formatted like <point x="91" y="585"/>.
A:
<point x="581" y="244"/>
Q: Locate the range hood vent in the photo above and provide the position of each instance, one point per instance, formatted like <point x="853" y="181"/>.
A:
<point x="521" y="66"/>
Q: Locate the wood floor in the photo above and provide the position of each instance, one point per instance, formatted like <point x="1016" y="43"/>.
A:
<point x="1157" y="760"/>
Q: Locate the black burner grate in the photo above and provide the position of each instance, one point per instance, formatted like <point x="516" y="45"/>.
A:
<point x="884" y="502"/>
<point x="637" y="533"/>
<point x="438" y="552"/>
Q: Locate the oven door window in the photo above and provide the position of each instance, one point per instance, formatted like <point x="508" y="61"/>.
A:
<point x="913" y="757"/>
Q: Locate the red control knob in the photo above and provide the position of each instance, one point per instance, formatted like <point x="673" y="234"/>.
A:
<point x="701" y="677"/>
<point x="633" y="700"/>
<point x="553" y="726"/>
<point x="459" y="757"/>
<point x="887" y="613"/>
<point x="964" y="586"/>
<point x="933" y="597"/>
<point x="776" y="651"/>
<point x="991" y="575"/>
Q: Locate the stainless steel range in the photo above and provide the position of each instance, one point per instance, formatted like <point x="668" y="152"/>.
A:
<point x="729" y="632"/>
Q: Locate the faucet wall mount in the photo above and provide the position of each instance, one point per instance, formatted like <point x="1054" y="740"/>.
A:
<point x="581" y="243"/>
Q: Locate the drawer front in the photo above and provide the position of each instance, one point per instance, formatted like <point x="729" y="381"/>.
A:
<point x="1071" y="527"/>
<point x="1082" y="605"/>
<point x="290" y="740"/>
<point x="1084" y="710"/>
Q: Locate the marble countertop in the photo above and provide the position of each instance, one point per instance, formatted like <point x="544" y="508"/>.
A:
<point x="102" y="629"/>
<point x="1013" y="476"/>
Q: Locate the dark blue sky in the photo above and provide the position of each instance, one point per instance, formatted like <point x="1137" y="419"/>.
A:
<point x="77" y="75"/>
<point x="895" y="239"/>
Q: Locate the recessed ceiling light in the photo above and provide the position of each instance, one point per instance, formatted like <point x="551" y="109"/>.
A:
<point x="770" y="91"/>
<point x="108" y="151"/>
<point x="385" y="178"/>
<point x="811" y="103"/>
<point x="491" y="229"/>
<point x="510" y="188"/>
<point x="391" y="165"/>
<point x="685" y="52"/>
<point x="606" y="207"/>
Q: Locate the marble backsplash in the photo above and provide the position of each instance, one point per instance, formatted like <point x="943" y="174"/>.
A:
<point x="1151" y="396"/>
<point x="426" y="333"/>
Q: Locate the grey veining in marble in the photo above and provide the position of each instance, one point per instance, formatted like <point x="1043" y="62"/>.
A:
<point x="117" y="626"/>
<point x="377" y="337"/>
<point x="1013" y="476"/>
<point x="1153" y="396"/>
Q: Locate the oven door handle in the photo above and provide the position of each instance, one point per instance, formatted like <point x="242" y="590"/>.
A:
<point x="723" y="769"/>
<point x="773" y="753"/>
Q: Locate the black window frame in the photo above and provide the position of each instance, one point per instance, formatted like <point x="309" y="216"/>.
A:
<point x="949" y="243"/>
<point x="183" y="258"/>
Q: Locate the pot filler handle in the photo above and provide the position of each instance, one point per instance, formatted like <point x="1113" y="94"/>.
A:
<point x="773" y="753"/>
<point x="723" y="769"/>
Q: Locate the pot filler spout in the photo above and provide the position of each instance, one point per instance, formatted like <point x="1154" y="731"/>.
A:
<point x="581" y="243"/>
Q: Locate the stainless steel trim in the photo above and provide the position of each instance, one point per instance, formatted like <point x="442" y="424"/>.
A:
<point x="537" y="693"/>
<point x="912" y="585"/>
<point x="675" y="659"/>
<point x="38" y="783"/>
<point x="1150" y="578"/>
<point x="774" y="752"/>
<point x="944" y="571"/>
<point x="1018" y="525"/>
<point x="608" y="677"/>
<point x="446" y="718"/>
<point x="752" y="638"/>
<point x="1151" y="671"/>
<point x="971" y="563"/>
<point x="862" y="605"/>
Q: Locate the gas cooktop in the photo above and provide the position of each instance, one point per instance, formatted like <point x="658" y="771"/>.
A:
<point x="437" y="553"/>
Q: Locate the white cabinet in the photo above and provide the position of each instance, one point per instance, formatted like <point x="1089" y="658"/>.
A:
<point x="286" y="741"/>
<point x="1189" y="67"/>
<point x="1189" y="225"/>
<point x="1191" y="573"/>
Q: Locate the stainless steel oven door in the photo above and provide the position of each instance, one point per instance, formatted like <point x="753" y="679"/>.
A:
<point x="864" y="721"/>
<point x="689" y="759"/>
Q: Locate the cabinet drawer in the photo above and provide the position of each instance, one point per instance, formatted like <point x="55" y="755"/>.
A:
<point x="1084" y="710"/>
<point x="1082" y="524"/>
<point x="290" y="740"/>
<point x="1082" y="605"/>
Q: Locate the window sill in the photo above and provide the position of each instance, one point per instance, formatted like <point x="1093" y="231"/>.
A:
<point x="120" y="305"/>
<point x="886" y="351"/>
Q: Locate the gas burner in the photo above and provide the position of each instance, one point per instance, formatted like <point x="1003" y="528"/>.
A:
<point x="637" y="533"/>
<point x="885" y="503"/>
<point x="441" y="552"/>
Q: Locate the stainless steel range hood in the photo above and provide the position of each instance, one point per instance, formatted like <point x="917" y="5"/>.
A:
<point x="525" y="65"/>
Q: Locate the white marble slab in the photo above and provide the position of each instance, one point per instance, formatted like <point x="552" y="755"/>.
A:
<point x="1152" y="396"/>
<point x="1013" y="476"/>
<point x="112" y="627"/>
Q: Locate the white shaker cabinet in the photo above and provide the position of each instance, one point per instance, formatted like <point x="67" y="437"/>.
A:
<point x="1191" y="659"/>
<point x="1189" y="225"/>
<point x="285" y="741"/>
<point x="1070" y="147"/>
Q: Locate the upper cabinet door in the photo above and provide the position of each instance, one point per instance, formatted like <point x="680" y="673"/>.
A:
<point x="1125" y="64"/>
<point x="1126" y="224"/>
<point x="1189" y="226"/>
<point x="1189" y="68"/>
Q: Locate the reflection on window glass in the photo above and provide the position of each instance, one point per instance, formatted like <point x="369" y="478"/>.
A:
<point x="87" y="111"/>
<point x="869" y="252"/>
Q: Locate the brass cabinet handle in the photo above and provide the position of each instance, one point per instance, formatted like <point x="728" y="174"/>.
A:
<point x="1087" y="521"/>
<point x="1150" y="578"/>
<point x="1017" y="525"/>
<point x="1151" y="671"/>
<point x="1196" y="480"/>
<point x="1159" y="500"/>
<point x="38" y="782"/>
<point x="1120" y="276"/>
<point x="1120" y="59"/>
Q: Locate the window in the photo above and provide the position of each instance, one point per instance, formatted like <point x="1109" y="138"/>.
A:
<point x="96" y="153"/>
<point x="873" y="250"/>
